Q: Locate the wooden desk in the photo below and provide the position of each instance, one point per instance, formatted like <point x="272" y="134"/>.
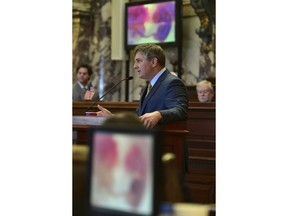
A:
<point x="174" y="134"/>
<point x="201" y="144"/>
<point x="79" y="107"/>
<point x="199" y="136"/>
<point x="174" y="140"/>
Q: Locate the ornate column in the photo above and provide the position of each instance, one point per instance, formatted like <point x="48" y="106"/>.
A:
<point x="106" y="71"/>
<point x="205" y="9"/>
<point x="92" y="45"/>
<point x="82" y="31"/>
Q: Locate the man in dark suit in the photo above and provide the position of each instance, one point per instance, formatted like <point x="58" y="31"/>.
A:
<point x="167" y="99"/>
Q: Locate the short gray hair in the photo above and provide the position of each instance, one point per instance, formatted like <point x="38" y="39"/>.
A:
<point x="206" y="83"/>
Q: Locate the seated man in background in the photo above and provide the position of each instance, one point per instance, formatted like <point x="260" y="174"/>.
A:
<point x="165" y="98"/>
<point x="205" y="91"/>
<point x="83" y="88"/>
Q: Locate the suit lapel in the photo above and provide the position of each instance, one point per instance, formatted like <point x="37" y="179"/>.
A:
<point x="144" y="100"/>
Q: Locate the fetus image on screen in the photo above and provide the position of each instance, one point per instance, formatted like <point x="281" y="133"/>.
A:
<point x="151" y="23"/>
<point x="122" y="178"/>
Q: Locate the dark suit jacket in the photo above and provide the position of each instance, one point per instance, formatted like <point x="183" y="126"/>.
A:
<point x="168" y="96"/>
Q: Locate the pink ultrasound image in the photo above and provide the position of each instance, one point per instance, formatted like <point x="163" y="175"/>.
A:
<point x="151" y="23"/>
<point x="122" y="173"/>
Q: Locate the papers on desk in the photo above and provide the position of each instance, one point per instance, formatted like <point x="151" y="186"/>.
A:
<point x="88" y="120"/>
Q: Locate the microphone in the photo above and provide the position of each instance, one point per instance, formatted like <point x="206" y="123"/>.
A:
<point x="127" y="78"/>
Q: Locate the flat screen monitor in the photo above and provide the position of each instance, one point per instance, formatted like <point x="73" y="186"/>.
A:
<point x="152" y="22"/>
<point x="124" y="171"/>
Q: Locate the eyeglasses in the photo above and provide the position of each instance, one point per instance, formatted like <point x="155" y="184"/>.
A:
<point x="204" y="91"/>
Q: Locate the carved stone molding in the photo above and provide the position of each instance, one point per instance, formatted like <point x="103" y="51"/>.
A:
<point x="205" y="9"/>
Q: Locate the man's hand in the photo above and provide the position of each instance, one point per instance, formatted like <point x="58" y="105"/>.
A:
<point x="103" y="112"/>
<point x="151" y="119"/>
<point x="89" y="94"/>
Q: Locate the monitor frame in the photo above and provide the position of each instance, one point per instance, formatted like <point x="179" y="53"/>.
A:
<point x="176" y="23"/>
<point x="156" y="170"/>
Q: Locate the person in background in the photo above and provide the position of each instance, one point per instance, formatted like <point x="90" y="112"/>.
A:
<point x="205" y="91"/>
<point x="165" y="98"/>
<point x="83" y="88"/>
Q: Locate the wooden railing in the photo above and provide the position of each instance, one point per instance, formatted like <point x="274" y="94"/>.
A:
<point x="201" y="147"/>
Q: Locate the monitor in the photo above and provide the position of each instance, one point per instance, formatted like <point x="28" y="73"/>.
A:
<point x="124" y="171"/>
<point x="152" y="22"/>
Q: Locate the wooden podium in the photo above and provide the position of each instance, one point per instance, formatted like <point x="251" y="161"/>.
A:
<point x="201" y="143"/>
<point x="174" y="136"/>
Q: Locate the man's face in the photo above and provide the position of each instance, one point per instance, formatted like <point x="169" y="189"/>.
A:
<point x="83" y="75"/>
<point x="204" y="94"/>
<point x="142" y="66"/>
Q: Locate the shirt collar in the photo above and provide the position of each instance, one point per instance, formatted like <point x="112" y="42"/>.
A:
<point x="155" y="78"/>
<point x="89" y="85"/>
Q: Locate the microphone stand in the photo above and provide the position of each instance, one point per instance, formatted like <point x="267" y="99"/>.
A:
<point x="127" y="78"/>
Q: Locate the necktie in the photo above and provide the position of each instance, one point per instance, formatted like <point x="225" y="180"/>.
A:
<point x="148" y="89"/>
